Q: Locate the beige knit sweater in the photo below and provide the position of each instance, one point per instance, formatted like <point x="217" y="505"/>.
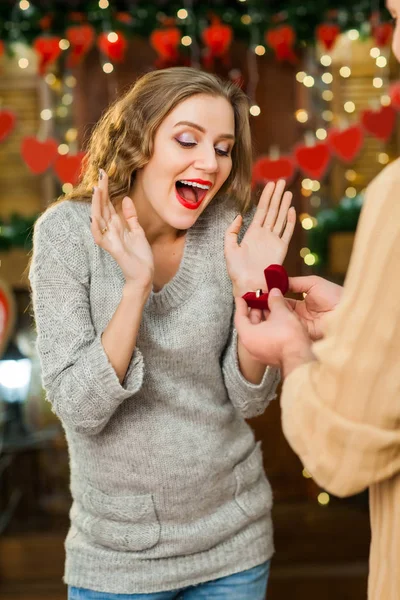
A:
<point x="341" y="413"/>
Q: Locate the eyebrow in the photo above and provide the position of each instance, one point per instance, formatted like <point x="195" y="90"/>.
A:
<point x="228" y="136"/>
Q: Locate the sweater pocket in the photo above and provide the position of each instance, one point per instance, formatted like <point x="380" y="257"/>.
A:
<point x="123" y="523"/>
<point x="253" y="491"/>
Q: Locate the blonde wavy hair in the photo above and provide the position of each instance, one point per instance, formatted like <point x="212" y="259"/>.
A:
<point x="122" y="141"/>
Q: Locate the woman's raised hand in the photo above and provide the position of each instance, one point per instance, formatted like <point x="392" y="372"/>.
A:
<point x="122" y="236"/>
<point x="266" y="241"/>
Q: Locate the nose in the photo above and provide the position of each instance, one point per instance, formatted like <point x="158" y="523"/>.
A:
<point x="206" y="159"/>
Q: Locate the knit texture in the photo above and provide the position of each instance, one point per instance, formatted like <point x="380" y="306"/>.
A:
<point x="167" y="481"/>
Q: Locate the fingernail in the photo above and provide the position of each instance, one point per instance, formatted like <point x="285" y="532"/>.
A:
<point x="275" y="292"/>
<point x="100" y="174"/>
<point x="238" y="215"/>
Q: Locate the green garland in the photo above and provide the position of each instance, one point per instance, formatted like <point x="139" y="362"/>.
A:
<point x="142" y="17"/>
<point x="16" y="232"/>
<point x="341" y="218"/>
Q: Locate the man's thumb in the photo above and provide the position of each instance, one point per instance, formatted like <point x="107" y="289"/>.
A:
<point x="276" y="300"/>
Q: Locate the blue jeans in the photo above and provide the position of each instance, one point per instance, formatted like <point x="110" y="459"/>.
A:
<point x="247" y="585"/>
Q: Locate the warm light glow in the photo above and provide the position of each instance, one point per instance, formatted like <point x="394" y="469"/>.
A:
<point x="383" y="158"/>
<point x="353" y="34"/>
<point x="71" y="134"/>
<point x="255" y="110"/>
<point x="70" y="81"/>
<point x="327" y="95"/>
<point x="46" y="114"/>
<point x="386" y="100"/>
<point x="50" y="78"/>
<point x="302" y="115"/>
<point x="305" y="473"/>
<point x="246" y="19"/>
<point x="259" y="50"/>
<point x="63" y="149"/>
<point x="374" y="52"/>
<point x="351" y="175"/>
<point x="308" y="81"/>
<point x="310" y="260"/>
<point x="24" y="5"/>
<point x="64" y="44"/>
<point x="306" y="193"/>
<point x="67" y="99"/>
<point x="108" y="67"/>
<point x="307" y="223"/>
<point x="15" y="374"/>
<point x="326" y="60"/>
<point x="377" y="82"/>
<point x="323" y="498"/>
<point x="316" y="186"/>
<point x="67" y="188"/>
<point x="112" y="37"/>
<point x="300" y="76"/>
<point x="327" y="115"/>
<point x="62" y="111"/>
<point x="182" y="13"/>
<point x="381" y="62"/>
<point x="23" y="63"/>
<point x="327" y="78"/>
<point x="304" y="252"/>
<point x="345" y="72"/>
<point x="186" y="40"/>
<point x="104" y="3"/>
<point x="321" y="134"/>
<point x="306" y="184"/>
<point x="351" y="192"/>
<point x="349" y="107"/>
<point x="315" y="201"/>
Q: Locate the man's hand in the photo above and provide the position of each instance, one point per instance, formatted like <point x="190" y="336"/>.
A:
<point x="321" y="298"/>
<point x="280" y="340"/>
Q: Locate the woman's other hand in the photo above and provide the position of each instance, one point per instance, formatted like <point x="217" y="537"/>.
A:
<point x="266" y="241"/>
<point x="122" y="236"/>
<point x="320" y="298"/>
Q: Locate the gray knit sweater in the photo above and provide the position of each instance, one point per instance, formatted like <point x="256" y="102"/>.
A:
<point x="167" y="480"/>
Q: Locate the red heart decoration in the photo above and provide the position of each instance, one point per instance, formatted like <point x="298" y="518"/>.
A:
<point x="267" y="169"/>
<point x="382" y="34"/>
<point x="327" y="34"/>
<point x="379" y="122"/>
<point x="276" y="277"/>
<point x="7" y="123"/>
<point x="7" y="315"/>
<point x="115" y="51"/>
<point x="165" y="42"/>
<point x="68" y="167"/>
<point x="38" y="156"/>
<point x="217" y="37"/>
<point x="48" y="49"/>
<point x="281" y="39"/>
<point x="346" y="143"/>
<point x="313" y="160"/>
<point x="394" y="92"/>
<point x="81" y="38"/>
<point x="1" y="47"/>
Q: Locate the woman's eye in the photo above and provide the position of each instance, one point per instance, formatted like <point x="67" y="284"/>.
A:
<point x="186" y="142"/>
<point x="222" y="152"/>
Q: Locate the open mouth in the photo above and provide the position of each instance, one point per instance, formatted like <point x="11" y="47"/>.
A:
<point x="191" y="193"/>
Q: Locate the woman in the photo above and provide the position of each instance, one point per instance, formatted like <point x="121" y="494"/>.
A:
<point x="134" y="303"/>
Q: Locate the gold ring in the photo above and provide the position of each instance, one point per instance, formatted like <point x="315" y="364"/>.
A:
<point x="103" y="230"/>
<point x="258" y="293"/>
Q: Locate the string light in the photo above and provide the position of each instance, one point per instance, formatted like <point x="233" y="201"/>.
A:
<point x="310" y="259"/>
<point x="374" y="52"/>
<point x="186" y="40"/>
<point x="63" y="149"/>
<point x="327" y="78"/>
<point x="321" y="134"/>
<point x="315" y="186"/>
<point x="24" y="5"/>
<point x="246" y="19"/>
<point x="108" y="67"/>
<point x="305" y="473"/>
<point x="46" y="114"/>
<point x="71" y="135"/>
<point x="50" y="79"/>
<point x="349" y="107"/>
<point x="351" y="192"/>
<point x="301" y="115"/>
<point x="182" y="14"/>
<point x="308" y="81"/>
<point x="23" y="63"/>
<point x="345" y="72"/>
<point x="67" y="99"/>
<point x="323" y="498"/>
<point x="307" y="223"/>
<point x="259" y="50"/>
<point x="67" y="188"/>
<point x="383" y="158"/>
<point x="326" y="60"/>
<point x="112" y="37"/>
<point x="377" y="82"/>
<point x="381" y="62"/>
<point x="70" y="81"/>
<point x="300" y="76"/>
<point x="351" y="175"/>
<point x="255" y="110"/>
<point x="327" y="115"/>
<point x="315" y="201"/>
<point x="306" y="184"/>
<point x="303" y="254"/>
<point x="62" y="111"/>
<point x="386" y="100"/>
<point x="353" y="35"/>
<point x="104" y="3"/>
<point x="327" y="95"/>
<point x="64" y="44"/>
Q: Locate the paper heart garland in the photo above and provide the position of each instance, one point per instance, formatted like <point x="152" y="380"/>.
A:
<point x="165" y="42"/>
<point x="68" y="167"/>
<point x="327" y="34"/>
<point x="7" y="123"/>
<point x="379" y="122"/>
<point x="7" y="315"/>
<point x="48" y="48"/>
<point x="313" y="160"/>
<point x="267" y="169"/>
<point x="281" y="40"/>
<point x="217" y="38"/>
<point x="38" y="156"/>
<point x="346" y="143"/>
<point x="81" y="39"/>
<point x="115" y="49"/>
<point x="394" y="92"/>
<point x="382" y="34"/>
<point x="276" y="277"/>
